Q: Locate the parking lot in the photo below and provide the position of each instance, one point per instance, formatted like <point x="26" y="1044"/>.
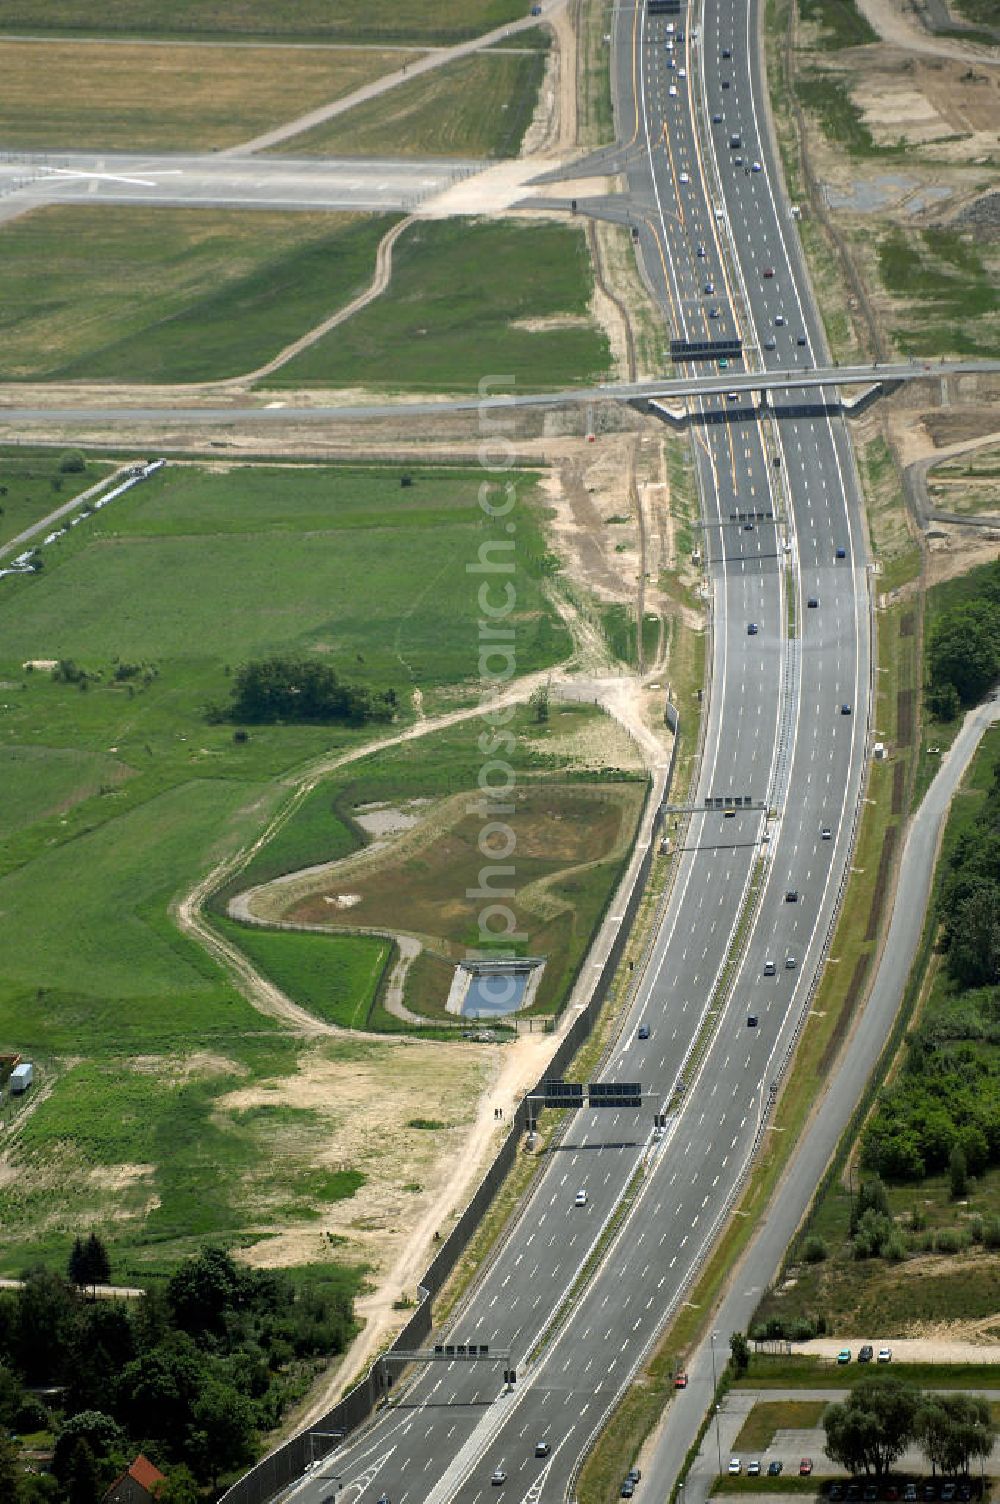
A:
<point x="789" y="1447"/>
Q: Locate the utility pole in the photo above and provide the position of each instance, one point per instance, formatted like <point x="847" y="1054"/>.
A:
<point x="715" y="1404"/>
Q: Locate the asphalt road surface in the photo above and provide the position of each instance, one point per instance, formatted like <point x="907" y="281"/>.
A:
<point x="787" y="726"/>
<point x="31" y="179"/>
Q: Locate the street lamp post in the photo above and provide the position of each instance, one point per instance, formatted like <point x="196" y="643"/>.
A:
<point x="715" y="1406"/>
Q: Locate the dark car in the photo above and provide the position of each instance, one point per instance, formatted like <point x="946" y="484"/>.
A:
<point x="752" y="629"/>
<point x="633" y="1475"/>
<point x="866" y="1353"/>
<point x="774" y="1468"/>
<point x="716" y="119"/>
<point x="845" y="709"/>
<point x="853" y="1493"/>
<point x="792" y="896"/>
<point x="929" y="1492"/>
<point x="727" y="52"/>
<point x="643" y="1031"/>
<point x="542" y="1448"/>
<point x="751" y="1020"/>
<point x="800" y="339"/>
<point x="812" y="602"/>
<point x="841" y="553"/>
<point x="870" y="1493"/>
<point x="725" y="83"/>
<point x="948" y="1492"/>
<point x="628" y="1489"/>
<point x="835" y="1492"/>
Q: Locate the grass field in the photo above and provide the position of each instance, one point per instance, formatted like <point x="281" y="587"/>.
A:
<point x="945" y="286"/>
<point x="307" y="20"/>
<point x="480" y="106"/>
<point x="118" y="792"/>
<point x="335" y="976"/>
<point x="344" y="562"/>
<point x="135" y="294"/>
<point x="32" y="486"/>
<point x="450" y="316"/>
<point x="758" y="1430"/>
<point x="840" y="23"/>
<point x="55" y="95"/>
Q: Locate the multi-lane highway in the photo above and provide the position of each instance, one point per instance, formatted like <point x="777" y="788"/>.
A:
<point x="787" y="726"/>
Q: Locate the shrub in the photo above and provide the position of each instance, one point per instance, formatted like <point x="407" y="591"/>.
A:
<point x="814" y="1250"/>
<point x="72" y="462"/>
<point x="950" y="1240"/>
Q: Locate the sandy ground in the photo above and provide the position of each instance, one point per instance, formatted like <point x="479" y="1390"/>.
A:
<point x="949" y="1345"/>
<point x="896" y="24"/>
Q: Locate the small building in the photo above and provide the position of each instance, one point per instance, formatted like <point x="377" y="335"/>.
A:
<point x="136" y="1485"/>
<point x="21" y="1077"/>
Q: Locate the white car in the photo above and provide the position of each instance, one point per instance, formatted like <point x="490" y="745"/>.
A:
<point x="499" y="1477"/>
<point x="735" y="1466"/>
<point x="756" y="167"/>
<point x="672" y="91"/>
<point x="581" y="1198"/>
<point x="885" y="1355"/>
<point x="682" y="73"/>
<point x="685" y="177"/>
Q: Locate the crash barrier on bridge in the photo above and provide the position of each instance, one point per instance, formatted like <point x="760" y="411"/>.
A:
<point x="283" y="1466"/>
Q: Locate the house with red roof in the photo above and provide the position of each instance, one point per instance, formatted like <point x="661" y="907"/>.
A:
<point x="137" y="1485"/>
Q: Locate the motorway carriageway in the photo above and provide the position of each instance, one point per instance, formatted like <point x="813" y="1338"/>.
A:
<point x="775" y="731"/>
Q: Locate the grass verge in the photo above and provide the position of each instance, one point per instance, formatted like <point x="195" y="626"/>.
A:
<point x="466" y="298"/>
<point x="168" y="295"/>
<point x="448" y="21"/>
<point x="479" y="106"/>
<point x="54" y="94"/>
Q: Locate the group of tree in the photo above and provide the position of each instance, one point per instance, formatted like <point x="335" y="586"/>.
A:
<point x="963" y="649"/>
<point x="191" y="1374"/>
<point x="89" y="1263"/>
<point x="293" y="688"/>
<point x="882" y="1417"/>
<point x="942" y="1113"/>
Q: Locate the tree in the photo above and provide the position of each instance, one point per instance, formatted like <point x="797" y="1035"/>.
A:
<point x="954" y="1428"/>
<point x="873" y="1427"/>
<point x="539" y="703"/>
<point x="223" y="1434"/>
<point x="290" y="688"/>
<point x="739" y="1353"/>
<point x="102" y="1434"/>
<point x="963" y="651"/>
<point x="46" y="1311"/>
<point x="974" y="937"/>
<point x="77" y="1267"/>
<point x="872" y="1196"/>
<point x="10" y="1470"/>
<point x="959" y="1172"/>
<point x="157" y="1393"/>
<point x="179" y="1487"/>
<point x="202" y="1290"/>
<point x="98" y="1263"/>
<point x="72" y="462"/>
<point x="82" y="1479"/>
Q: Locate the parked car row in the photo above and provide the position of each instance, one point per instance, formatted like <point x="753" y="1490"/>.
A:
<point x="867" y="1491"/>
<point x="865" y="1354"/>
